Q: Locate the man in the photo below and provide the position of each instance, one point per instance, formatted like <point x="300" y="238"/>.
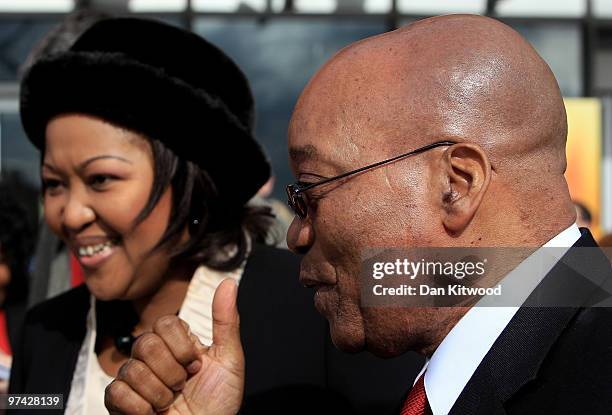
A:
<point x="484" y="119"/>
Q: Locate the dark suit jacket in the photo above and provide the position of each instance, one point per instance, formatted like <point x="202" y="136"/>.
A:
<point x="290" y="360"/>
<point x="15" y="315"/>
<point x="552" y="360"/>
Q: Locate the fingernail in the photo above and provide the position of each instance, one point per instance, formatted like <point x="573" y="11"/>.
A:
<point x="194" y="367"/>
<point x="178" y="387"/>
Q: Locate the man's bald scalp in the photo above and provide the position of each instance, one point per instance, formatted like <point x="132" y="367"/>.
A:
<point x="462" y="77"/>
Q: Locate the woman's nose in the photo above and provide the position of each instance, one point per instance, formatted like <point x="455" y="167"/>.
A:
<point x="77" y="214"/>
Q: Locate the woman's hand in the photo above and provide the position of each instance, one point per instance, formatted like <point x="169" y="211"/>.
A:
<point x="171" y="372"/>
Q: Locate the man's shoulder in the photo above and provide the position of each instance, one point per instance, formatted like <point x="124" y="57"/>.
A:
<point x="547" y="360"/>
<point x="586" y="341"/>
<point x="576" y="374"/>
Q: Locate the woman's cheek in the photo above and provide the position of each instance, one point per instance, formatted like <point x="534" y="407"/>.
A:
<point x="52" y="215"/>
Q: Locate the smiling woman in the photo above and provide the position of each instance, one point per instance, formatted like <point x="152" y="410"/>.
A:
<point x="148" y="164"/>
<point x="96" y="180"/>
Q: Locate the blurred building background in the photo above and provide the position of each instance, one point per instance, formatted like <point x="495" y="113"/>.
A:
<point x="281" y="43"/>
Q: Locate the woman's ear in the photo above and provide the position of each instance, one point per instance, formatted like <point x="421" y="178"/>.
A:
<point x="468" y="173"/>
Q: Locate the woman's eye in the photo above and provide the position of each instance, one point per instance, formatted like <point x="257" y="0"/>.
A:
<point x="51" y="185"/>
<point x="100" y="180"/>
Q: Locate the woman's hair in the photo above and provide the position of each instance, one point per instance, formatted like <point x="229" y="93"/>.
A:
<point x="219" y="233"/>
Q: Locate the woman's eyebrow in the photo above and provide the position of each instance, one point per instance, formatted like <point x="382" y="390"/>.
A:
<point x="102" y="157"/>
<point x="91" y="160"/>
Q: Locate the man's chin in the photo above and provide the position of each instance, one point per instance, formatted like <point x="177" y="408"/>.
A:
<point x="384" y="351"/>
<point x="347" y="342"/>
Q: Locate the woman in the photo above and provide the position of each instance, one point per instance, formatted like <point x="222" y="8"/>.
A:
<point x="148" y="162"/>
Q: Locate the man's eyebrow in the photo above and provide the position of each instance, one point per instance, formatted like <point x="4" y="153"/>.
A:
<point x="303" y="153"/>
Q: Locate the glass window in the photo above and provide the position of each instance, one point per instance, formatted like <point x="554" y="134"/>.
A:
<point x="315" y="6"/>
<point x="431" y="7"/>
<point x="377" y="6"/>
<point x="229" y="5"/>
<point x="602" y="73"/>
<point x="560" y="45"/>
<point x="17" y="38"/>
<point x="157" y="5"/>
<point x="542" y="8"/>
<point x="36" y="6"/>
<point x="16" y="151"/>
<point x="602" y="8"/>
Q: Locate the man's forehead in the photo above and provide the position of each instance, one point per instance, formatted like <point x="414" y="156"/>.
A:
<point x="333" y="130"/>
<point x="301" y="154"/>
<point x="356" y="97"/>
<point x="319" y="152"/>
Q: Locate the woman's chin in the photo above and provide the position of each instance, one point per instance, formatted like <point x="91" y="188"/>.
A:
<point x="104" y="292"/>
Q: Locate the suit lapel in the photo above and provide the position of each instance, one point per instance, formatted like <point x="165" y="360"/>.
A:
<point x="479" y="397"/>
<point x="514" y="359"/>
<point x="69" y="353"/>
<point x="517" y="354"/>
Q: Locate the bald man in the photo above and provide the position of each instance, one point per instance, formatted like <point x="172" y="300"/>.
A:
<point x="449" y="132"/>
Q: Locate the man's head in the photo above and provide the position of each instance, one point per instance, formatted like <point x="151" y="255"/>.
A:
<point x="467" y="79"/>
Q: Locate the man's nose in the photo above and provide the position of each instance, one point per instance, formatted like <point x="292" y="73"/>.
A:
<point x="77" y="213"/>
<point x="300" y="235"/>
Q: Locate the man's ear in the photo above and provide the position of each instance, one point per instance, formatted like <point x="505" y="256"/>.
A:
<point x="468" y="173"/>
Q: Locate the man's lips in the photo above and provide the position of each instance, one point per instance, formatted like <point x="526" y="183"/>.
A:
<point x="313" y="276"/>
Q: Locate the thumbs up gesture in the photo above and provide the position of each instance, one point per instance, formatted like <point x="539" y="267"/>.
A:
<point x="171" y="372"/>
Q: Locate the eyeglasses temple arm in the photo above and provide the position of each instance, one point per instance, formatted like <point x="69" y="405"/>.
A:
<point x="380" y="163"/>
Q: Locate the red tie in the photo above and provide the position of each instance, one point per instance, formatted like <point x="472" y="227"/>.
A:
<point x="416" y="402"/>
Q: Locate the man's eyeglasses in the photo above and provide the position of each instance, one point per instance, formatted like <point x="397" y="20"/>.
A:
<point x="295" y="192"/>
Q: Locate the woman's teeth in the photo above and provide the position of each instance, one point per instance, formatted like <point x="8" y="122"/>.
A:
<point x="92" y="250"/>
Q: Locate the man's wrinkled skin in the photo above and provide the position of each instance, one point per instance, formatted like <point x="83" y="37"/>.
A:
<point x="467" y="79"/>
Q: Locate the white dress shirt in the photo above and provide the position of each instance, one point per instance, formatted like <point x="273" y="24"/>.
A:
<point x="455" y="360"/>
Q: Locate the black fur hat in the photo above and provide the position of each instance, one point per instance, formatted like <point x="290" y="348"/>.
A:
<point x="160" y="81"/>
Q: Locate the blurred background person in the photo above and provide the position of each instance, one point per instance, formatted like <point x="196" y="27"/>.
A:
<point x="606" y="245"/>
<point x="55" y="270"/>
<point x="17" y="236"/>
<point x="584" y="219"/>
<point x="282" y="214"/>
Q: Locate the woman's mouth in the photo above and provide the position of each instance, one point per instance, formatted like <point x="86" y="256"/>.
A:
<point x="94" y="255"/>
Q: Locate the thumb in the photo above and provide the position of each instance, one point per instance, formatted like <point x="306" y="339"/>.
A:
<point x="226" y="322"/>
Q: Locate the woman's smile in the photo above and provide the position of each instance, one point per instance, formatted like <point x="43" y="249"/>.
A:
<point x="93" y="251"/>
<point x="97" y="179"/>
